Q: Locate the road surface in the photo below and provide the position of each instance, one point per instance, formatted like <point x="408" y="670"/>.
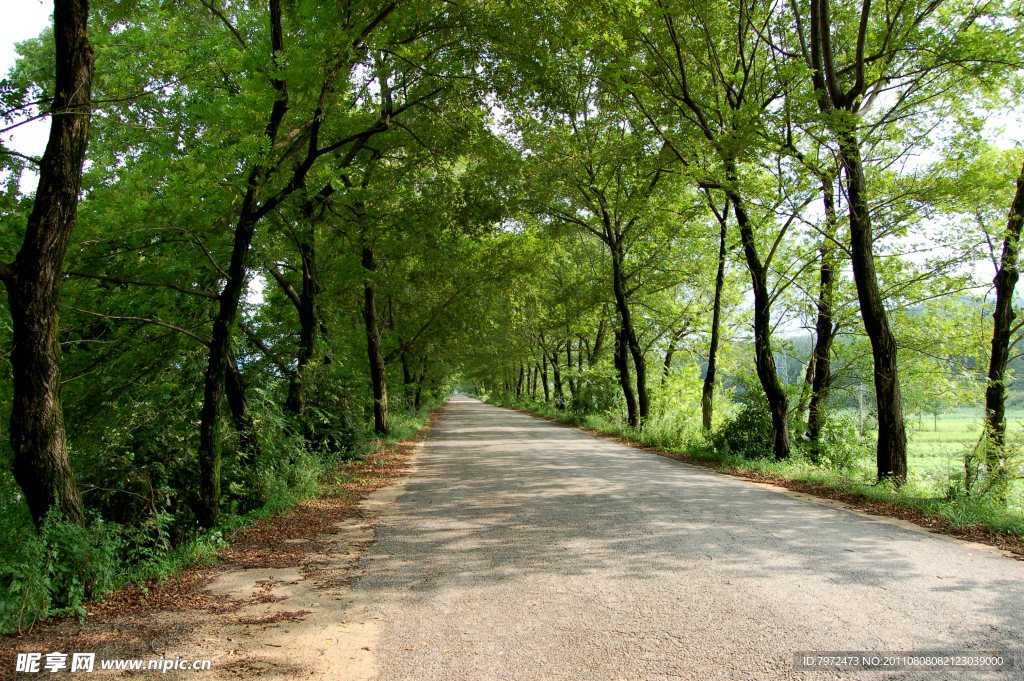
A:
<point x="521" y="549"/>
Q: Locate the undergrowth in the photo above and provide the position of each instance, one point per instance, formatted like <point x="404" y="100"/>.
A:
<point x="61" y="567"/>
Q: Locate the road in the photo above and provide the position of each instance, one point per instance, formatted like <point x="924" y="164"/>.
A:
<point x="522" y="549"/>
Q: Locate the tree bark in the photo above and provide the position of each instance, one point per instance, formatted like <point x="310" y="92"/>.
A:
<point x="778" y="401"/>
<point x="707" y="398"/>
<point x="1005" y="282"/>
<point x="419" y="382"/>
<point x="668" y="361"/>
<point x="208" y="504"/>
<point x="568" y="365"/>
<point x="627" y="330"/>
<point x="671" y="351"/>
<point x="840" y="108"/>
<point x="378" y="370"/>
<point x="248" y="439"/>
<point x="309" y="323"/>
<point x="559" y="395"/>
<point x="407" y="381"/>
<point x="544" y="377"/>
<point x="891" y="454"/>
<point x="595" y="355"/>
<point x="519" y="385"/>
<point x="824" y="331"/>
<point x="806" y="389"/>
<point x="622" y="367"/>
<point x="41" y="464"/>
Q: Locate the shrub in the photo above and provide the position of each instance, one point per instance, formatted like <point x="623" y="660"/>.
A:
<point x="56" y="571"/>
<point x="748" y="434"/>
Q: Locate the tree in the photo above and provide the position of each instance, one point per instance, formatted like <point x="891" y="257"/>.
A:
<point x="33" y="280"/>
<point x="1005" y="282"/>
<point x="854" y="54"/>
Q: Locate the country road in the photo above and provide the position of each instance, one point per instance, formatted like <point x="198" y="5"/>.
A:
<point x="520" y="549"/>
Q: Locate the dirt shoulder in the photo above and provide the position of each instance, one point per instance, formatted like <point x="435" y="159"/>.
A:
<point x="1011" y="545"/>
<point x="275" y="605"/>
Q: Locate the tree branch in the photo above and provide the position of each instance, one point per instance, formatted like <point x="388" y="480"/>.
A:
<point x="144" y="320"/>
<point x="224" y="20"/>
<point x="289" y="290"/>
<point x="270" y="354"/>
<point x="116" y="280"/>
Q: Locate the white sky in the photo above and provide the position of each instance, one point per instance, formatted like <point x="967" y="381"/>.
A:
<point x="22" y="20"/>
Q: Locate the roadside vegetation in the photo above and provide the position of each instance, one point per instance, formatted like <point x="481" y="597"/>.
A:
<point x="62" y="567"/>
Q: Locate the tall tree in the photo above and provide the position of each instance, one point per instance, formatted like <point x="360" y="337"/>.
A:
<point x="33" y="280"/>
<point x="704" y="85"/>
<point x="1005" y="283"/>
<point x="708" y="390"/>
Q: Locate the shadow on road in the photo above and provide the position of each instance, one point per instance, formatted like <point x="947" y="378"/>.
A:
<point x="510" y="521"/>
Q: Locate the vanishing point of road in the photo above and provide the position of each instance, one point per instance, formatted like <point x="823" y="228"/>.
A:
<point x="521" y="549"/>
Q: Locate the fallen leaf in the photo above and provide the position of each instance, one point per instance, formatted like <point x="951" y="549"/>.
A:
<point x="365" y="648"/>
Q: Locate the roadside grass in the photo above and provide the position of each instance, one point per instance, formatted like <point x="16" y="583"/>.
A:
<point x="933" y="496"/>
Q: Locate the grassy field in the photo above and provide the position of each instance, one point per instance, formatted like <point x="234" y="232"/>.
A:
<point x="936" y="446"/>
<point x="932" y="441"/>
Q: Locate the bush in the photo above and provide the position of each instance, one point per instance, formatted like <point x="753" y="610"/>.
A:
<point x="748" y="434"/>
<point x="838" y="444"/>
<point x="56" y="571"/>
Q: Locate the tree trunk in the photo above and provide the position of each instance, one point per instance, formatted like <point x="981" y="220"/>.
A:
<point x="41" y="464"/>
<point x="891" y="454"/>
<point x="707" y="398"/>
<point x="407" y="381"/>
<point x="544" y="377"/>
<point x="309" y="323"/>
<point x="668" y="361"/>
<point x="248" y="439"/>
<point x="778" y="401"/>
<point x="568" y="365"/>
<point x="627" y="330"/>
<point x="622" y="367"/>
<point x="861" y="417"/>
<point x="208" y="503"/>
<point x="519" y="385"/>
<point x="671" y="351"/>
<point x="824" y="331"/>
<point x="806" y="390"/>
<point x="1004" y="283"/>
<point x="559" y="395"/>
<point x="208" y="509"/>
<point x="419" y="383"/>
<point x="378" y="370"/>
<point x="595" y="355"/>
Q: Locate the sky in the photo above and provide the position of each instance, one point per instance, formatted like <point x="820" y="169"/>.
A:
<point x="23" y="19"/>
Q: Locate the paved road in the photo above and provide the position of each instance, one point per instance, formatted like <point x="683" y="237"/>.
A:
<point x="527" y="550"/>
